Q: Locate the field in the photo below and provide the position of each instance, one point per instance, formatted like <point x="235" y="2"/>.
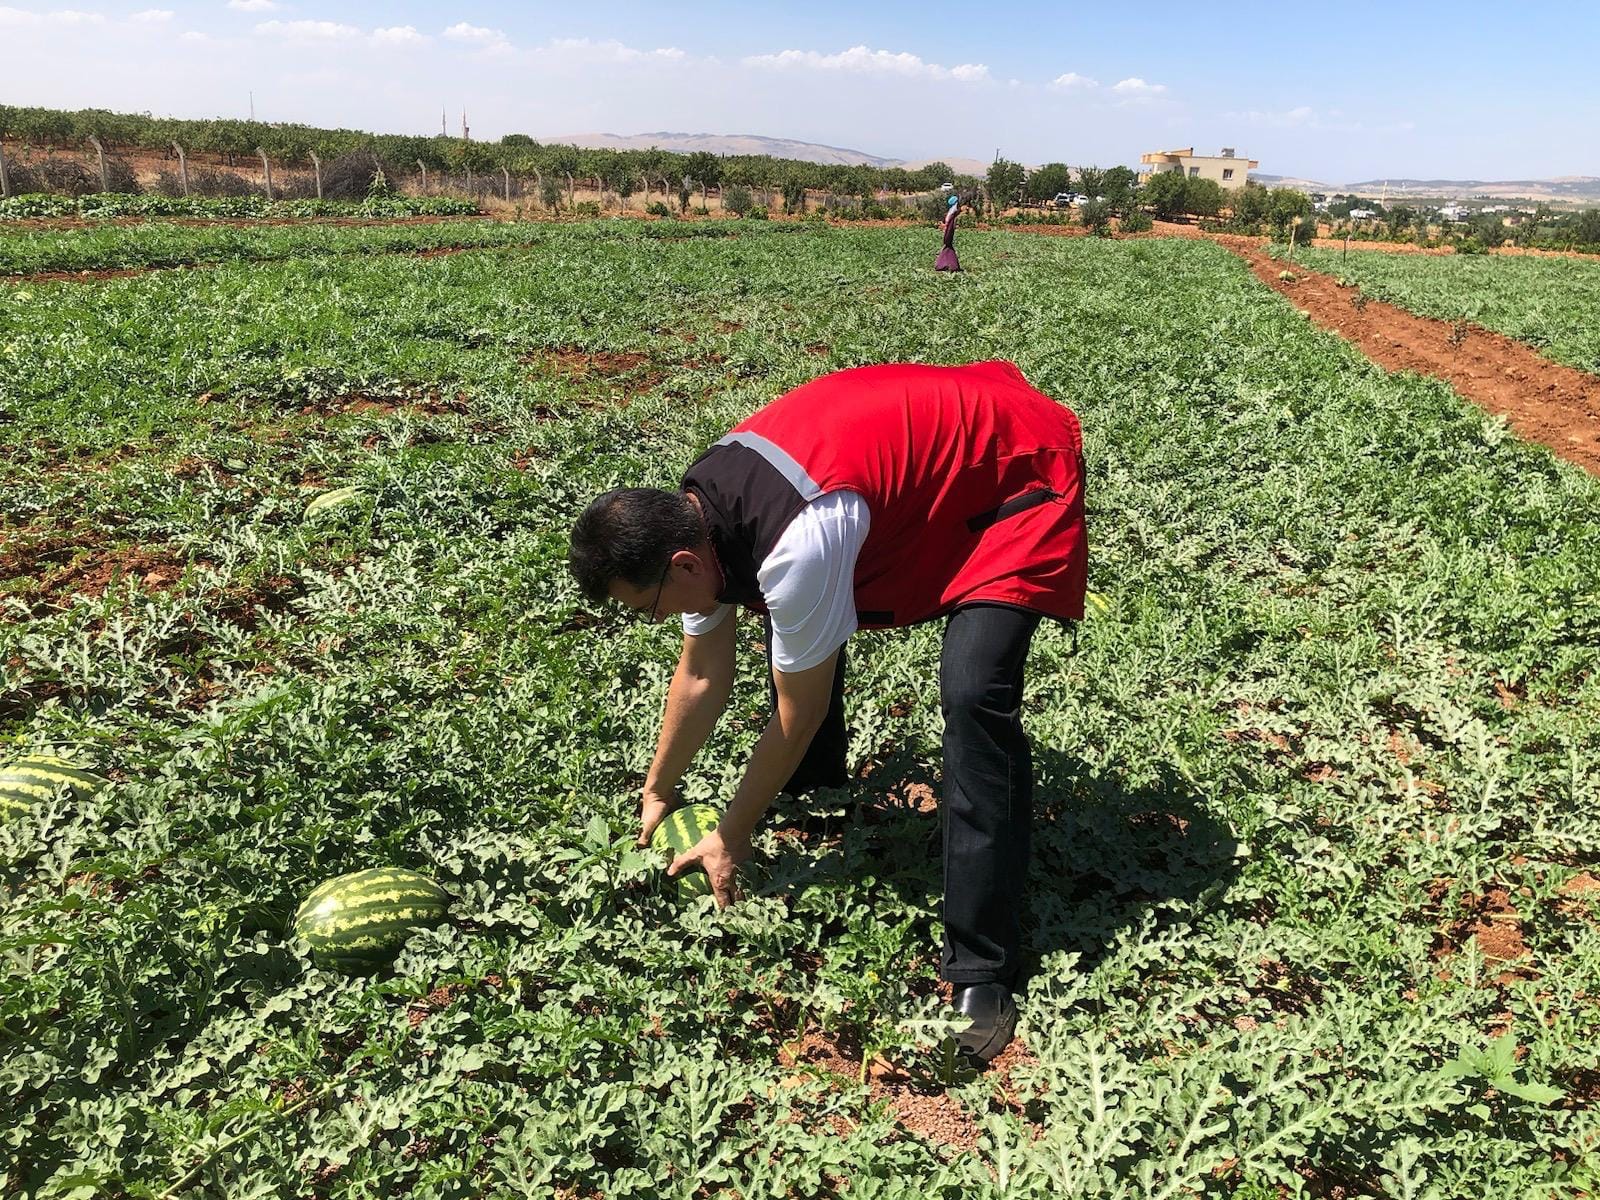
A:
<point x="1549" y="303"/>
<point x="1314" y="899"/>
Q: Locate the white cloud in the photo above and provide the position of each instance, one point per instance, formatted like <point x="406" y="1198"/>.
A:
<point x="608" y="51"/>
<point x="308" y="31"/>
<point x="1138" y="87"/>
<point x="152" y="16"/>
<point x="862" y="60"/>
<point x="398" y="35"/>
<point x="1275" y="120"/>
<point x="65" y="16"/>
<point x="1072" y="81"/>
<point x="490" y="40"/>
<point x="193" y="35"/>
<point x="253" y="5"/>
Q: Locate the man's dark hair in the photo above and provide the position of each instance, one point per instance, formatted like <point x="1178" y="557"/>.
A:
<point x="630" y="534"/>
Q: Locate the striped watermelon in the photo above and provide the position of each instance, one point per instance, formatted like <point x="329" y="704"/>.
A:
<point x="682" y="830"/>
<point x="356" y="923"/>
<point x="337" y="498"/>
<point x="35" y="777"/>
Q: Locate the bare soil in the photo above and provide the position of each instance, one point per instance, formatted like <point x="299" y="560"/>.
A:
<point x="53" y="567"/>
<point x="1545" y="402"/>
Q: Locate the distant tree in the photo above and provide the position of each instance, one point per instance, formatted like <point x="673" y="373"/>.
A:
<point x="1487" y="228"/>
<point x="1251" y="204"/>
<point x="1586" y="229"/>
<point x="1096" y="216"/>
<point x="737" y="199"/>
<point x="792" y="182"/>
<point x="1287" y="209"/>
<point x="1203" y="197"/>
<point x="1047" y="181"/>
<point x="1117" y="186"/>
<point x="705" y="169"/>
<point x="1092" y="182"/>
<point x="1166" y="192"/>
<point x="1004" y="181"/>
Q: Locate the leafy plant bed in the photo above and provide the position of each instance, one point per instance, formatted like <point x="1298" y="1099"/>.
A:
<point x="1549" y="303"/>
<point x="102" y="206"/>
<point x="1316" y="795"/>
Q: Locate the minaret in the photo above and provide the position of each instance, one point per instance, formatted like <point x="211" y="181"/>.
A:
<point x="466" y="134"/>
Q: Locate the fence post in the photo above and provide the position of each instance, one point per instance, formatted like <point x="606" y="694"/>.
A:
<point x="506" y="171"/>
<point x="266" y="168"/>
<point x="316" y="165"/>
<point x="105" y="178"/>
<point x="183" y="169"/>
<point x="5" y="175"/>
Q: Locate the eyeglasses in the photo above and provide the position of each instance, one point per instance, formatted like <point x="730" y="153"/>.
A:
<point x="656" y="603"/>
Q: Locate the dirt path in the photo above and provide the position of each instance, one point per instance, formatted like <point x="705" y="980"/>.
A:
<point x="1544" y="402"/>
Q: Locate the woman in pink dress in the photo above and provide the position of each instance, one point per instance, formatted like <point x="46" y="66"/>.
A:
<point x="947" y="260"/>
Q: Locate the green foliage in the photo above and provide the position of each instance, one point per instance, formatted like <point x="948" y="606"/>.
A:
<point x="736" y="198"/>
<point x="1166" y="192"/>
<point x="1288" y="209"/>
<point x="1251" y="205"/>
<point x="1137" y="221"/>
<point x="160" y="244"/>
<point x="1203" y="197"/>
<point x="1118" y="186"/>
<point x="1047" y="181"/>
<point x="380" y="202"/>
<point x="1096" y="216"/>
<point x="1004" y="181"/>
<point x="1341" y="690"/>
<point x="1092" y="182"/>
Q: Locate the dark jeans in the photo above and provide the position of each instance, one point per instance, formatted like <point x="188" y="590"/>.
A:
<point x="988" y="786"/>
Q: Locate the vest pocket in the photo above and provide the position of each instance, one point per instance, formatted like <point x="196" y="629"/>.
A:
<point x="1013" y="506"/>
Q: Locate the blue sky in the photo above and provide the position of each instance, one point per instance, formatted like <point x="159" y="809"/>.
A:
<point x="1332" y="92"/>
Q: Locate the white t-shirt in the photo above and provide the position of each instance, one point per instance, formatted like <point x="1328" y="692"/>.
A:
<point x="808" y="582"/>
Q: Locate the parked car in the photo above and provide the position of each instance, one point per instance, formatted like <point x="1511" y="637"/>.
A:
<point x="1065" y="200"/>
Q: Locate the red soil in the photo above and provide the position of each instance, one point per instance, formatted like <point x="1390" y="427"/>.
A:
<point x="1545" y="402"/>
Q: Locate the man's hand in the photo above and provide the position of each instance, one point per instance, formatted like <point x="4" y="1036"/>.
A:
<point x="719" y="860"/>
<point x="655" y="809"/>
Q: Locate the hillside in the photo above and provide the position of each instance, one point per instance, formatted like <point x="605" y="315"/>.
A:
<point x="747" y="143"/>
<point x="1572" y="189"/>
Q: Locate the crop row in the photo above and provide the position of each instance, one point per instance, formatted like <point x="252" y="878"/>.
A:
<point x="107" y="205"/>
<point x="1548" y="302"/>
<point x="160" y="244"/>
<point x="1315" y="794"/>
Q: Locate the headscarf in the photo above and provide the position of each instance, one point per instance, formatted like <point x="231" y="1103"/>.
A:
<point x="953" y="202"/>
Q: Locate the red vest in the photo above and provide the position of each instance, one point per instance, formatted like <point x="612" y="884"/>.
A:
<point x="974" y="481"/>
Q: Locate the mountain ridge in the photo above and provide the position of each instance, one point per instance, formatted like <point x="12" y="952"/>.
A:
<point x="751" y="143"/>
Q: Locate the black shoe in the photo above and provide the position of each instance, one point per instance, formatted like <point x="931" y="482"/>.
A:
<point x="994" y="1020"/>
